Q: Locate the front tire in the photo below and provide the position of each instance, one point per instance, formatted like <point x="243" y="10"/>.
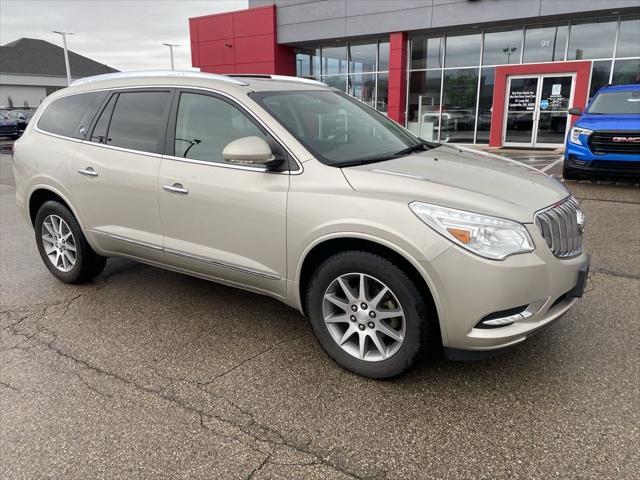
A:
<point x="63" y="247"/>
<point x="367" y="314"/>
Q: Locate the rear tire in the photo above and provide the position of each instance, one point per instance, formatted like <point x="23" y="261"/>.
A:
<point x="63" y="247"/>
<point x="383" y="306"/>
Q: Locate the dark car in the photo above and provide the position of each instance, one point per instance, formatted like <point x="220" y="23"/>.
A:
<point x="8" y="126"/>
<point x="22" y="117"/>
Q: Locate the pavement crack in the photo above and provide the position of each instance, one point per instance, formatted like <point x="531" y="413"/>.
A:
<point x="613" y="273"/>
<point x="247" y="360"/>
<point x="264" y="462"/>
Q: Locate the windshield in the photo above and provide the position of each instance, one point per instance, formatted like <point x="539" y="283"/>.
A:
<point x="619" y="103"/>
<point x="337" y="129"/>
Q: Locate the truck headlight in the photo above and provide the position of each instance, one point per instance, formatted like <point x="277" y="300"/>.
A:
<point x="489" y="237"/>
<point x="574" y="136"/>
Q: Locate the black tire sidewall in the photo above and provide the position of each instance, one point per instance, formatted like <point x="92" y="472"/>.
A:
<point x="412" y="302"/>
<point x="83" y="250"/>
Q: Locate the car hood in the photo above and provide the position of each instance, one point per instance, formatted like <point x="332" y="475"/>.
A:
<point x="459" y="177"/>
<point x="609" y="122"/>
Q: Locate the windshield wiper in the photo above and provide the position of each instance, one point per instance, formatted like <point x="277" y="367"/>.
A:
<point x="416" y="148"/>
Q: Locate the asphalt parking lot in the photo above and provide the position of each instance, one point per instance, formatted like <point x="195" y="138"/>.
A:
<point x="146" y="373"/>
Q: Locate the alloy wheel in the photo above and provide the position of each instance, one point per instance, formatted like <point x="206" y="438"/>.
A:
<point x="59" y="243"/>
<point x="364" y="317"/>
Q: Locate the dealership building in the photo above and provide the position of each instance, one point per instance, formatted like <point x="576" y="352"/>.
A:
<point x="492" y="72"/>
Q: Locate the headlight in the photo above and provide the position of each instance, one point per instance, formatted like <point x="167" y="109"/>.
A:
<point x="489" y="237"/>
<point x="574" y="136"/>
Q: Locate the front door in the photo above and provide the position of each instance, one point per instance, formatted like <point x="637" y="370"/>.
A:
<point x="221" y="220"/>
<point x="536" y="113"/>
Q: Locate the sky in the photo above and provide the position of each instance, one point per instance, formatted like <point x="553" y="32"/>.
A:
<point x="124" y="34"/>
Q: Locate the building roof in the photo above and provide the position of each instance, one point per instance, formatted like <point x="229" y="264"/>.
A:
<point x="31" y="56"/>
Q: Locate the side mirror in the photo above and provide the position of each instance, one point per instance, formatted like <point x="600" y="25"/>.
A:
<point x="574" y="111"/>
<point x="250" y="151"/>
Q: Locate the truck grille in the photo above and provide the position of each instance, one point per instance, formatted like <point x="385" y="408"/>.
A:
<point x="561" y="226"/>
<point x="615" y="142"/>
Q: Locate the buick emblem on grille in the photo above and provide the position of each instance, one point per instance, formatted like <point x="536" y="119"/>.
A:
<point x="626" y="139"/>
<point x="580" y="221"/>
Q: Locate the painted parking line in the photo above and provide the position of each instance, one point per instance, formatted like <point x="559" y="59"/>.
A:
<point x="551" y="165"/>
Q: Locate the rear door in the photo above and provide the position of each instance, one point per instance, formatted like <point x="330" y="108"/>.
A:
<point x="219" y="219"/>
<point x="116" y="173"/>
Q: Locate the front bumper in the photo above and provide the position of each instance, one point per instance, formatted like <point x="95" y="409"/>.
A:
<point x="580" y="159"/>
<point x="8" y="131"/>
<point x="469" y="288"/>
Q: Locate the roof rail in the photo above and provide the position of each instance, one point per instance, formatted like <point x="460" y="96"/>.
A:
<point x="285" y="78"/>
<point x="157" y="73"/>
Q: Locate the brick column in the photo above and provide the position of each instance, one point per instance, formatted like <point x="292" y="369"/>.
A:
<point x="397" y="76"/>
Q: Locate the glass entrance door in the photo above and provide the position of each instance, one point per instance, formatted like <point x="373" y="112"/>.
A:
<point x="536" y="113"/>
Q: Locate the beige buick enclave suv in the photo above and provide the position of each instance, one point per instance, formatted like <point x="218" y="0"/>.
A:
<point x="282" y="186"/>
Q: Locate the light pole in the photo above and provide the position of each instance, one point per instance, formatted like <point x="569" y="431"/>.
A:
<point x="66" y="53"/>
<point x="508" y="52"/>
<point x="171" y="45"/>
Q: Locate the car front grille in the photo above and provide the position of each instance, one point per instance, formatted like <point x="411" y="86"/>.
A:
<point x="561" y="226"/>
<point x="616" y="165"/>
<point x="623" y="142"/>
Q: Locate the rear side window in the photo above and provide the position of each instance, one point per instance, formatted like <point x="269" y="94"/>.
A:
<point x="71" y="116"/>
<point x="206" y="124"/>
<point x="138" y="121"/>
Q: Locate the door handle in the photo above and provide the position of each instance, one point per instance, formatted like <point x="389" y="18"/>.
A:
<point x="89" y="171"/>
<point x="175" y="188"/>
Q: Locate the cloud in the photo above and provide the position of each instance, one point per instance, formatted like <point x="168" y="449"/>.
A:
<point x="124" y="34"/>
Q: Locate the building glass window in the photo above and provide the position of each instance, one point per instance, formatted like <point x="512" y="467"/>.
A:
<point x="629" y="38"/>
<point x="307" y="62"/>
<point x="502" y="47"/>
<point x="463" y="50"/>
<point x="485" y="104"/>
<point x="426" y="52"/>
<point x="600" y="73"/>
<point x="362" y="58"/>
<point x="592" y="39"/>
<point x="423" y="116"/>
<point x="383" y="56"/>
<point x="336" y="81"/>
<point x="626" y="72"/>
<point x="545" y="44"/>
<point x="382" y="95"/>
<point x="363" y="87"/>
<point x="459" y="95"/>
<point x="588" y="40"/>
<point x="334" y="60"/>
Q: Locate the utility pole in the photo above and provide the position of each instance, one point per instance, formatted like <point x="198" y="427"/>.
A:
<point x="171" y="45"/>
<point x="66" y="53"/>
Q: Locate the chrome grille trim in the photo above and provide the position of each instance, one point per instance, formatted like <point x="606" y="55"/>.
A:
<point x="558" y="225"/>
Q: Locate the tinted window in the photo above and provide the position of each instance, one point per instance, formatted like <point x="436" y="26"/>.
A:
<point x="502" y="47"/>
<point x="629" y="38"/>
<point x="334" y="60"/>
<point x="599" y="75"/>
<point x="592" y="40"/>
<point x="463" y="50"/>
<point x="459" y="95"/>
<point x="426" y="52"/>
<point x="545" y="44"/>
<point x="383" y="56"/>
<point x="138" y="120"/>
<point x="362" y="58"/>
<point x="100" y="130"/>
<point x="205" y="125"/>
<point x="67" y="115"/>
<point x="626" y="72"/>
<point x="620" y="103"/>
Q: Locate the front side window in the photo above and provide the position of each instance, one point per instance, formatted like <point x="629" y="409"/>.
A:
<point x="138" y="121"/>
<point x="206" y="124"/>
<point x="338" y="130"/>
<point x="618" y="103"/>
<point x="70" y="116"/>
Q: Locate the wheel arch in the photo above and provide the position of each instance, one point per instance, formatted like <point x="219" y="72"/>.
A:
<point x="41" y="194"/>
<point x="325" y="248"/>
